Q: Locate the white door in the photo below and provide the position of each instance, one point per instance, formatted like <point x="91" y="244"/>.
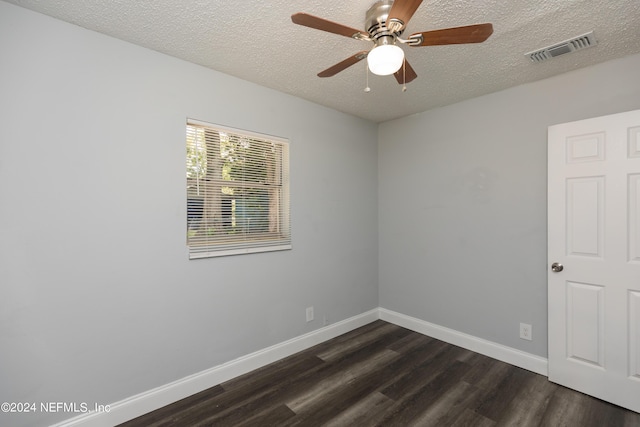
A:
<point x="594" y="233"/>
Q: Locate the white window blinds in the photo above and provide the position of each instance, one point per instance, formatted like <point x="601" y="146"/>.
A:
<point x="237" y="191"/>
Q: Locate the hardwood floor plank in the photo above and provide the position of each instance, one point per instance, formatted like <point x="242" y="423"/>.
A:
<point x="242" y="400"/>
<point x="326" y="409"/>
<point x="274" y="416"/>
<point x="630" y="419"/>
<point x="377" y="325"/>
<point x="365" y="413"/>
<point x="409" y="342"/>
<point x="265" y="376"/>
<point x="437" y="358"/>
<point x="499" y="397"/>
<point x="414" y="403"/>
<point x="565" y="409"/>
<point x="486" y="372"/>
<point x="284" y="391"/>
<point x="447" y="408"/>
<point x="340" y="350"/>
<point x="566" y="404"/>
<point x="385" y="375"/>
<point x="529" y="405"/>
<point x="340" y="380"/>
<point x="470" y="418"/>
<point x="161" y="416"/>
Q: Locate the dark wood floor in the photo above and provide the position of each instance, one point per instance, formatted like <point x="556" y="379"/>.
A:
<point x="385" y="375"/>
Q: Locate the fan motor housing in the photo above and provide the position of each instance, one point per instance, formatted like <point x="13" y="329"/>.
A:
<point x="376" y="20"/>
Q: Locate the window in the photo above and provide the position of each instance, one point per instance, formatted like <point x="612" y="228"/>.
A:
<point x="237" y="191"/>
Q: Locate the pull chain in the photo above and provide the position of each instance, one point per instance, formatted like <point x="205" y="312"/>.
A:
<point x="366" y="66"/>
<point x="404" y="75"/>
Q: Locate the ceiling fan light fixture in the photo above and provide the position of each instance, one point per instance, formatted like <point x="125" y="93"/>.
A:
<point x="385" y="22"/>
<point x="385" y="59"/>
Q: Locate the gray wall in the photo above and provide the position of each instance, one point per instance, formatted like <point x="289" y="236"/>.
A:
<point x="462" y="202"/>
<point x="98" y="301"/>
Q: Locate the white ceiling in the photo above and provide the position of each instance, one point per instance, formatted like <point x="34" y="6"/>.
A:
<point x="255" y="40"/>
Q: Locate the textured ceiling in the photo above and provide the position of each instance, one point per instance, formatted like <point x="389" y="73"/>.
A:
<point x="255" y="40"/>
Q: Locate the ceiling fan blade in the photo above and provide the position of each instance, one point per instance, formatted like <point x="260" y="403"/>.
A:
<point x="403" y="10"/>
<point x="457" y="35"/>
<point x="332" y="71"/>
<point x="405" y="74"/>
<point x="324" y="25"/>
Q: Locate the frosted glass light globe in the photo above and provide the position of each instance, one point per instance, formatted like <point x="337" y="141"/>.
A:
<point x="385" y="59"/>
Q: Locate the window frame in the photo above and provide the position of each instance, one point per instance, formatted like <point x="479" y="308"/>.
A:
<point x="277" y="217"/>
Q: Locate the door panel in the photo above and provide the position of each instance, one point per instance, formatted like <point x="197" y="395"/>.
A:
<point x="594" y="232"/>
<point x="634" y="218"/>
<point x="585" y="148"/>
<point x="585" y="323"/>
<point x="634" y="142"/>
<point x="634" y="334"/>
<point x="585" y="216"/>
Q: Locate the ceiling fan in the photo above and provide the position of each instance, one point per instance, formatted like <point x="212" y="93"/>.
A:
<point x="385" y="22"/>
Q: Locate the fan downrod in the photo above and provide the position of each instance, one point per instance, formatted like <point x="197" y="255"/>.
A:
<point x="376" y="21"/>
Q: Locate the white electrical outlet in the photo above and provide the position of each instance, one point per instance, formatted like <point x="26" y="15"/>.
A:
<point x="309" y="314"/>
<point x="526" y="332"/>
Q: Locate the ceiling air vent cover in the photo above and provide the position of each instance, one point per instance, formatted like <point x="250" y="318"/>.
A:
<point x="577" y="43"/>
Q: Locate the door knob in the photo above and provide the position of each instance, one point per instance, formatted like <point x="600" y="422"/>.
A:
<point x="556" y="267"/>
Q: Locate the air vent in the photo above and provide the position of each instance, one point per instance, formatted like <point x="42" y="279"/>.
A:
<point x="577" y="43"/>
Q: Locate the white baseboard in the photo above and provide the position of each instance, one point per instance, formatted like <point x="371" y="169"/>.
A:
<point x="156" y="398"/>
<point x="501" y="352"/>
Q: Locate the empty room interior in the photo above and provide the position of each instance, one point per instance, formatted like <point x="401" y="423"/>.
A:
<point x="420" y="200"/>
